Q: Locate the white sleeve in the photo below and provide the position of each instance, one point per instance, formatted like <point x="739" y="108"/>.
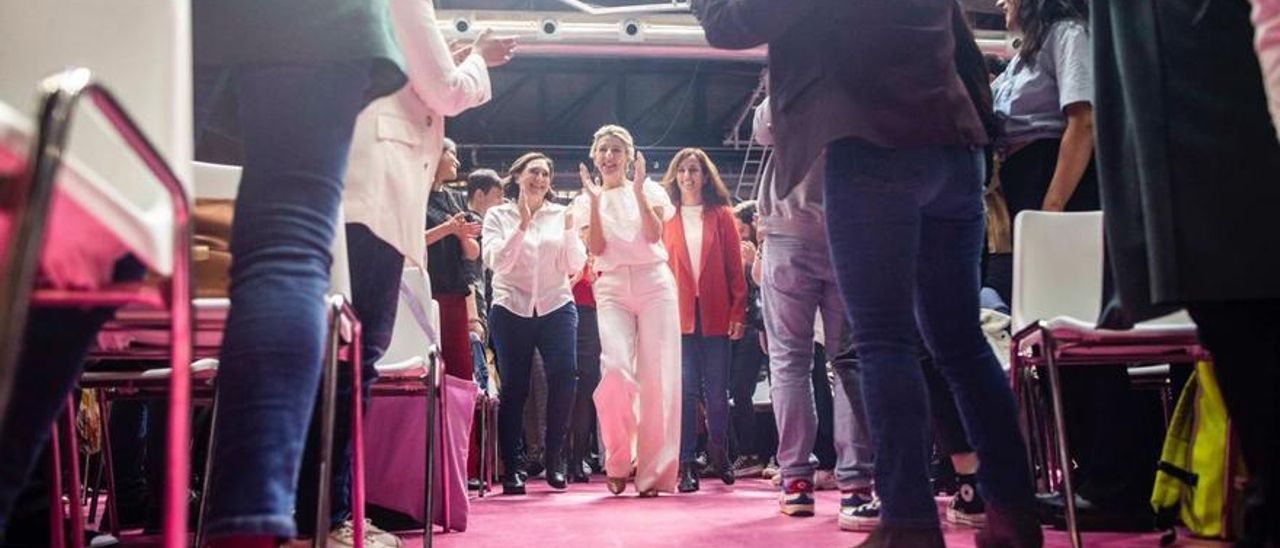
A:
<point x="501" y="250"/>
<point x="658" y="199"/>
<point x="446" y="88"/>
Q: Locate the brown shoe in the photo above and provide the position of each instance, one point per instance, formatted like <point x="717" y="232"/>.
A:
<point x="617" y="485"/>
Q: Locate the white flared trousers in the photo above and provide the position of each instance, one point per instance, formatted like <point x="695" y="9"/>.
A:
<point x="638" y="399"/>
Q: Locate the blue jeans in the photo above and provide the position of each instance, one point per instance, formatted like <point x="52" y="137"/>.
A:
<point x="906" y="228"/>
<point x="296" y="122"/>
<point x="375" y="292"/>
<point x="53" y="353"/>
<point x="516" y="337"/>
<point x="798" y="284"/>
<point x="704" y="376"/>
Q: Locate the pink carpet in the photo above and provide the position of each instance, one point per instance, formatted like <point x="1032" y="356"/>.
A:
<point x="718" y="516"/>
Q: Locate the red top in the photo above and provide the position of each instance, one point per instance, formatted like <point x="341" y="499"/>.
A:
<point x="583" y="295"/>
<point x="722" y="285"/>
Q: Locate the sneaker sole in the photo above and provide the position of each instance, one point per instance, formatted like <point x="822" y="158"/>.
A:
<point x="961" y="518"/>
<point x="857" y="524"/>
<point x="796" y="510"/>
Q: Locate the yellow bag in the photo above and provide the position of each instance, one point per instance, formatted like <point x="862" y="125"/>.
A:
<point x="1200" y="478"/>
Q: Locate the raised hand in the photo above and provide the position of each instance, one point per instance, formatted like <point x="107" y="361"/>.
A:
<point x="637" y="181"/>
<point x="459" y="51"/>
<point x="495" y="50"/>
<point x="589" y="184"/>
<point x="526" y="213"/>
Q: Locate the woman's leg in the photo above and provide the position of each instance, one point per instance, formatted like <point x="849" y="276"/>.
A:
<point x="691" y="364"/>
<point x="455" y="338"/>
<point x="616" y="394"/>
<point x="716" y="353"/>
<point x="375" y="292"/>
<point x="556" y="336"/>
<point x="296" y="122"/>
<point x="584" y="411"/>
<point x="658" y="374"/>
<point x="513" y="338"/>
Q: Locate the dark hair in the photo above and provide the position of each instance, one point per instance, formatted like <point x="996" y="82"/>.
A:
<point x="518" y="167"/>
<point x="714" y="192"/>
<point x="1036" y="17"/>
<point x="482" y="180"/>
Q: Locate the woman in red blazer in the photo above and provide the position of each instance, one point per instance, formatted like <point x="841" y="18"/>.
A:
<point x="705" y="255"/>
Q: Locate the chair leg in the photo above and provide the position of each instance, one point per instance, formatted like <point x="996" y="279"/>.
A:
<point x="73" y="475"/>
<point x="433" y="385"/>
<point x="208" y="471"/>
<point x="328" y="393"/>
<point x="357" y="437"/>
<point x="112" y="510"/>
<point x="1060" y="435"/>
<point x="484" y="441"/>
<point x="57" y="519"/>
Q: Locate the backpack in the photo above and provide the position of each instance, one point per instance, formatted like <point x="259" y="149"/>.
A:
<point x="1200" y="478"/>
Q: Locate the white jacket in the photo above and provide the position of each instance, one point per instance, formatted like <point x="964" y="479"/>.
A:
<point x="398" y="139"/>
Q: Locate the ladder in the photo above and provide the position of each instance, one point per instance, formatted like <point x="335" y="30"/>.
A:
<point x="752" y="169"/>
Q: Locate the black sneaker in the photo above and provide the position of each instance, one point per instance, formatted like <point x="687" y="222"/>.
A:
<point x="864" y="517"/>
<point x="747" y="467"/>
<point x="966" y="507"/>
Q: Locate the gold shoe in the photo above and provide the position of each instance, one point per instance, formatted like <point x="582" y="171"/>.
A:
<point x="649" y="493"/>
<point x="617" y="485"/>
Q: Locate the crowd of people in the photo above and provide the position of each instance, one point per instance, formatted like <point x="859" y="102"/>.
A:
<point x="625" y="322"/>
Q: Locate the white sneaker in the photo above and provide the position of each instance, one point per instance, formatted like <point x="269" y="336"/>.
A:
<point x="373" y="536"/>
<point x="824" y="480"/>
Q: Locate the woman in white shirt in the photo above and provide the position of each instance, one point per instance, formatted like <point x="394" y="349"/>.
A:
<point x="532" y="247"/>
<point x="638" y="398"/>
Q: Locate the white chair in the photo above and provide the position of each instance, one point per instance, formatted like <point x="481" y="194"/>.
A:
<point x="1057" y="294"/>
<point x="91" y="186"/>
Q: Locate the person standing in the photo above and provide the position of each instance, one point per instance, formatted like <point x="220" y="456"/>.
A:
<point x="638" y="399"/>
<point x="532" y="247"/>
<point x="705" y="254"/>
<point x="903" y="195"/>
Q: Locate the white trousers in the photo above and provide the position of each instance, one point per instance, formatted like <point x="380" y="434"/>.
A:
<point x="638" y="399"/>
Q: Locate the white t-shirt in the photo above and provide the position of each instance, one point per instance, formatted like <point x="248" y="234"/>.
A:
<point x="692" y="218"/>
<point x="624" y="241"/>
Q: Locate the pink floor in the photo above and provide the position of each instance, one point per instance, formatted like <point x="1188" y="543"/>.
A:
<point x="718" y="516"/>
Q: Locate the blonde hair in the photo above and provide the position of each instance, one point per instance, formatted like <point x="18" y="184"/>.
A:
<point x="618" y="132"/>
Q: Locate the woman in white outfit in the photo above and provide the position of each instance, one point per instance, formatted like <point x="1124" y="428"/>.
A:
<point x="638" y="398"/>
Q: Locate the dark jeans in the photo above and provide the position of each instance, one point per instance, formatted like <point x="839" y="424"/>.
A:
<point x="906" y="228"/>
<point x="52" y="357"/>
<point x="744" y="375"/>
<point x="1244" y="338"/>
<point x="375" y="291"/>
<point x="553" y="335"/>
<point x="296" y="122"/>
<point x="704" y="376"/>
<point x="583" y="422"/>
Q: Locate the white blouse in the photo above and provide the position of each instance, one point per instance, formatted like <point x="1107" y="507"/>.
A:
<point x="531" y="267"/>
<point x="691" y="216"/>
<point x="624" y="240"/>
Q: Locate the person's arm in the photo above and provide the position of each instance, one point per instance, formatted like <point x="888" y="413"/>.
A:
<point x="731" y="244"/>
<point x="1073" y="157"/>
<point x="757" y="265"/>
<point x="470" y="249"/>
<point x="1071" y="55"/>
<point x="742" y="24"/>
<point x="651" y="214"/>
<point x="447" y="88"/>
<point x="595" y="227"/>
<point x="474" y="323"/>
<point x="457" y="226"/>
<point x="573" y="255"/>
